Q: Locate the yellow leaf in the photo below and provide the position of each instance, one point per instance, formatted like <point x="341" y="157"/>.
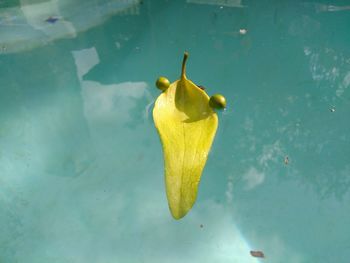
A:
<point x="186" y="125"/>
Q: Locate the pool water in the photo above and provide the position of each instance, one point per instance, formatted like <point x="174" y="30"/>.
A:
<point x="81" y="164"/>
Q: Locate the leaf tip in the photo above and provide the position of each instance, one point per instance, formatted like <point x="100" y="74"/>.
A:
<point x="183" y="71"/>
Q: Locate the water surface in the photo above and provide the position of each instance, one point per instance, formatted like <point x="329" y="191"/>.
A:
<point x="81" y="168"/>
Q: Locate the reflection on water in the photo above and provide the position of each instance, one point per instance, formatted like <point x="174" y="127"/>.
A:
<point x="221" y="3"/>
<point x="30" y="24"/>
<point x="81" y="164"/>
<point x="110" y="104"/>
<point x="328" y="8"/>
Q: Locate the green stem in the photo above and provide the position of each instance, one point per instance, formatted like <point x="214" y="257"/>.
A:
<point x="183" y="71"/>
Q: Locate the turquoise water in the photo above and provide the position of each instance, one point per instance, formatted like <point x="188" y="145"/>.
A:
<point x="81" y="166"/>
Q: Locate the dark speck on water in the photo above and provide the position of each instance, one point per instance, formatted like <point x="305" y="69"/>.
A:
<point x="286" y="160"/>
<point x="51" y="20"/>
<point x="257" y="254"/>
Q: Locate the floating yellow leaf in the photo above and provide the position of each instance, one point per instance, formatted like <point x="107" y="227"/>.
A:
<point x="186" y="125"/>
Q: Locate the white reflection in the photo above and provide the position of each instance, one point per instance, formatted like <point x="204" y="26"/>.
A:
<point x="229" y="190"/>
<point x="228" y="3"/>
<point x="243" y="31"/>
<point x="344" y="85"/>
<point x="111" y="103"/>
<point x="253" y="178"/>
<point x="108" y="103"/>
<point x="270" y="153"/>
<point x="331" y="8"/>
<point x="37" y="16"/>
<point x="29" y="24"/>
<point x="330" y="67"/>
<point x="85" y="59"/>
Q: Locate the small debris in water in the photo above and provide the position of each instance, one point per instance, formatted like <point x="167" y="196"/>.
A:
<point x="257" y="254"/>
<point x="332" y="109"/>
<point x="243" y="31"/>
<point x="286" y="160"/>
<point x="51" y="20"/>
<point x="201" y="225"/>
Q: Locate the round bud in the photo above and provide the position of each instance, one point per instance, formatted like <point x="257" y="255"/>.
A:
<point x="217" y="101"/>
<point x="162" y="83"/>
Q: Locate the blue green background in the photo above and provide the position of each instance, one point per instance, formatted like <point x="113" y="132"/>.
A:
<point x="81" y="166"/>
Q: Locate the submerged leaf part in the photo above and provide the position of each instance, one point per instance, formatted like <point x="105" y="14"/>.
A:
<point x="187" y="126"/>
